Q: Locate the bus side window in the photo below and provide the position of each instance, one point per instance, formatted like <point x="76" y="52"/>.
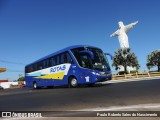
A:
<point x="28" y="69"/>
<point x="69" y="59"/>
<point x="31" y="68"/>
<point x="45" y="63"/>
<point x="57" y="58"/>
<point x="54" y="61"/>
<point x="63" y="58"/>
<point x="40" y="65"/>
<point x="34" y="67"/>
<point x="49" y="62"/>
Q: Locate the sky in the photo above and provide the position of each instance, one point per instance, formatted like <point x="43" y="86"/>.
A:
<point x="31" y="29"/>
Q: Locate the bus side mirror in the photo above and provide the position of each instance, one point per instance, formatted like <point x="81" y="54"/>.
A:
<point x="109" y="55"/>
<point x="90" y="53"/>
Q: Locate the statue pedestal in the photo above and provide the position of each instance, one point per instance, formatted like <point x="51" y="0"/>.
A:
<point x="129" y="69"/>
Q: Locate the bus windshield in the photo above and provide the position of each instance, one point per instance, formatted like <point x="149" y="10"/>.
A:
<point x="85" y="60"/>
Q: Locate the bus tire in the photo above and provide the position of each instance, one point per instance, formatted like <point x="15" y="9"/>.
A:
<point x="35" y="85"/>
<point x="73" y="82"/>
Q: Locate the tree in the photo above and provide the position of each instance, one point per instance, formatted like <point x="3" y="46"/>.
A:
<point x="125" y="58"/>
<point x="21" y="78"/>
<point x="153" y="59"/>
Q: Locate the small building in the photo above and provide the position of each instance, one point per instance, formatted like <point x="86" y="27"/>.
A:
<point x="6" y="84"/>
<point x="3" y="81"/>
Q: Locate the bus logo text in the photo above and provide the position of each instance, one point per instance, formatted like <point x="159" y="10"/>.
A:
<point x="58" y="68"/>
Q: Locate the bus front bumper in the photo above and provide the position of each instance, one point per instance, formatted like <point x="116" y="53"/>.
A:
<point x="101" y="78"/>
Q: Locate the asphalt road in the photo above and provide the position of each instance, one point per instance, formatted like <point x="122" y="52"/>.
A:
<point x="81" y="98"/>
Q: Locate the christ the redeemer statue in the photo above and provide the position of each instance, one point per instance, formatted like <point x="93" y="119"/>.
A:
<point x="122" y="34"/>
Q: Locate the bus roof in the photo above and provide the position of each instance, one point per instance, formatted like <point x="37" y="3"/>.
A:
<point x="60" y="51"/>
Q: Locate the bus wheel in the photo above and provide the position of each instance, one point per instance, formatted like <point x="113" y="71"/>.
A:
<point x="73" y="82"/>
<point x="35" y="85"/>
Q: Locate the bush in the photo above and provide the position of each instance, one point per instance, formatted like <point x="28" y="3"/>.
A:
<point x="133" y="71"/>
<point x="122" y="73"/>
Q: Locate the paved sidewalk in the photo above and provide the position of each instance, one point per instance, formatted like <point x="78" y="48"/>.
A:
<point x="130" y="80"/>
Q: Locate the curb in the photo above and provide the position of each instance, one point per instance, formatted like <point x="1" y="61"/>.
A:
<point x="132" y="79"/>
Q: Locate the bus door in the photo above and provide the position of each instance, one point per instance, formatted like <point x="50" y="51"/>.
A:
<point x="86" y="57"/>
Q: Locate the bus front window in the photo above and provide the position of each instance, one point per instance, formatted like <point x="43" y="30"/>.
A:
<point x="98" y="62"/>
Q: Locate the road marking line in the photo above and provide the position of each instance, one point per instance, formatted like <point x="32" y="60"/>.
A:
<point x="122" y="108"/>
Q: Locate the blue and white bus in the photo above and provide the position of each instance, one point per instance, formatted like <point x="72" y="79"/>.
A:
<point x="72" y="66"/>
